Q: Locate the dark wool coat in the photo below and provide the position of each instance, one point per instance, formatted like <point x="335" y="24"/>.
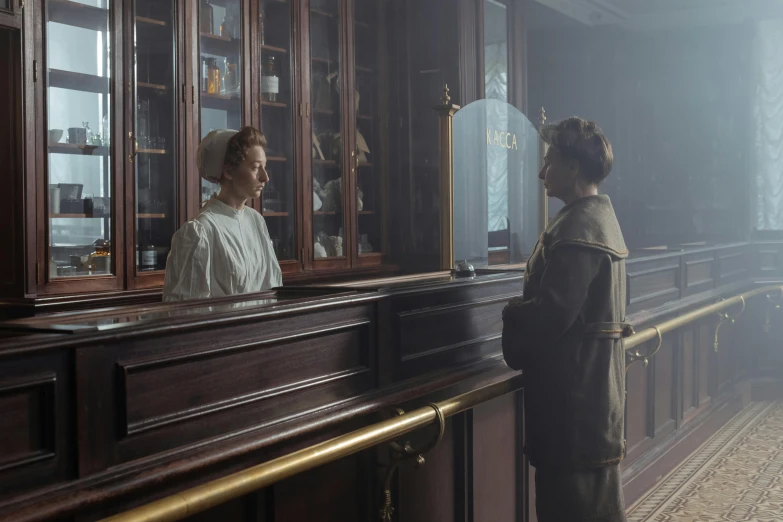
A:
<point x="565" y="333"/>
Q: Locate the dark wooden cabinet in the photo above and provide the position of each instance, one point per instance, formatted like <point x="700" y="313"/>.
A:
<point x="118" y="94"/>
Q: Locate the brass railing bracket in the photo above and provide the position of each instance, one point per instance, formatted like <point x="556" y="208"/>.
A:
<point x="723" y="317"/>
<point x="637" y="355"/>
<point x="405" y="451"/>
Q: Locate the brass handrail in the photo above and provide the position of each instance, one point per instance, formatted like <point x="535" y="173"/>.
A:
<point x="219" y="491"/>
<point x="648" y="334"/>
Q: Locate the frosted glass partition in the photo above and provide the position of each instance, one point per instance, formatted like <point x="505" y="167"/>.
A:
<point x="496" y="161"/>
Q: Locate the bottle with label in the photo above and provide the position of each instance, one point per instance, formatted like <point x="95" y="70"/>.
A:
<point x="270" y="83"/>
<point x="149" y="257"/>
<point x="213" y="76"/>
<point x="204" y="75"/>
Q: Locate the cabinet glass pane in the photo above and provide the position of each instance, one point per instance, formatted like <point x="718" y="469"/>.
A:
<point x="277" y="119"/>
<point x="368" y="124"/>
<point x="155" y="130"/>
<point x="78" y="104"/>
<point x="327" y="163"/>
<point x="220" y="29"/>
<point x="5" y="4"/>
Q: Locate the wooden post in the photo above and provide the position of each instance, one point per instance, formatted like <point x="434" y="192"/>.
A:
<point x="446" y="111"/>
<point x="543" y="201"/>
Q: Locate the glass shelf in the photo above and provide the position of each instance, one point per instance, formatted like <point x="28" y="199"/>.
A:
<point x="79" y="162"/>
<point x="155" y="129"/>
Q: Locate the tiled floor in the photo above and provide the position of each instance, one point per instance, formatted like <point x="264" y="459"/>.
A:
<point x="736" y="475"/>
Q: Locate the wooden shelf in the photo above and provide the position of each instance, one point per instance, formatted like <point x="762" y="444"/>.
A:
<point x="366" y="212"/>
<point x="72" y="216"/>
<point x="366" y="165"/>
<point x="143" y="20"/>
<point x="220" y="102"/>
<point x="326" y="61"/>
<point x="78" y="15"/>
<point x="267" y="213"/>
<point x="367" y="70"/>
<point x="152" y="151"/>
<point x="324" y="213"/>
<point x="273" y="49"/>
<point x="155" y="86"/>
<point x="276" y="158"/>
<point x="219" y="45"/>
<point x="371" y="254"/>
<point x="322" y="13"/>
<point x="327" y="163"/>
<point x="82" y="150"/>
<point x="151" y="216"/>
<point x="78" y="81"/>
<point x="273" y="104"/>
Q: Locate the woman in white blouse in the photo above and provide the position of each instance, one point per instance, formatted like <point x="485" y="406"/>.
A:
<point x="226" y="249"/>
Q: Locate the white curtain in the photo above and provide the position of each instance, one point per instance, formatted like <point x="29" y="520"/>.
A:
<point x="768" y="118"/>
<point x="496" y="87"/>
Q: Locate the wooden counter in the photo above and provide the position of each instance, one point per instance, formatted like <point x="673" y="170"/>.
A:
<point x="108" y="409"/>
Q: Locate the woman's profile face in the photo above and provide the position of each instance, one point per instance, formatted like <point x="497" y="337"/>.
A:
<point x="249" y="178"/>
<point x="557" y="174"/>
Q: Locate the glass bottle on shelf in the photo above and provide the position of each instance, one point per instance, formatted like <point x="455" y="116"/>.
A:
<point x="270" y="83"/>
<point x="231" y="79"/>
<point x="149" y="257"/>
<point x="206" y="17"/>
<point x="213" y="76"/>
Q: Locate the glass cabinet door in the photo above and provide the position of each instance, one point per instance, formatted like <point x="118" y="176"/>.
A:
<point x="328" y="223"/>
<point x="277" y="123"/>
<point x="220" y="77"/>
<point x="79" y="164"/>
<point x="155" y="132"/>
<point x="369" y="181"/>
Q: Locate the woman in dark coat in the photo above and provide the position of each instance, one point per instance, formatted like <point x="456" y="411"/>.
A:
<point x="566" y="333"/>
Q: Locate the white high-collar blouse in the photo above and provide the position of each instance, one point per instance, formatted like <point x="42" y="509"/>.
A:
<point x="223" y="251"/>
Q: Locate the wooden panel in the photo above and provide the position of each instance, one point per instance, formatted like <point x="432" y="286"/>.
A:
<point x="637" y="412"/>
<point x="433" y="328"/>
<point x="427" y="494"/>
<point x="28" y="428"/>
<point x="433" y="332"/>
<point x="188" y="386"/>
<point x="335" y="492"/>
<point x="496" y="452"/>
<point x="664" y="385"/>
<point x="699" y="274"/>
<point x="36" y="440"/>
<point x="733" y="265"/>
<point x="687" y="373"/>
<point x="706" y="355"/>
<point x="768" y="259"/>
<point x="652" y="284"/>
<point x="162" y="391"/>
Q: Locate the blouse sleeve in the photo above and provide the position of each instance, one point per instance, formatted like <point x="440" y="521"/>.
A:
<point x="275" y="275"/>
<point x="188" y="264"/>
